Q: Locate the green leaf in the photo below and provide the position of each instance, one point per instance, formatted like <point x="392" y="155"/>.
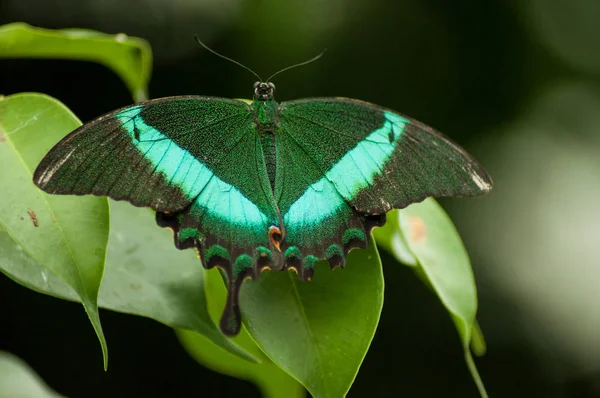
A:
<point x="272" y="381"/>
<point x="432" y="238"/>
<point x="17" y="379"/>
<point x="318" y="331"/>
<point x="68" y="235"/>
<point x="144" y="274"/>
<point x="129" y="57"/>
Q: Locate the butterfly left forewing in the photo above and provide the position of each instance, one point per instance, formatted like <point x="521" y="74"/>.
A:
<point x="197" y="161"/>
<point x="364" y="161"/>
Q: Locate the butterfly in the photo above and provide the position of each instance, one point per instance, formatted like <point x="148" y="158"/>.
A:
<point x="262" y="184"/>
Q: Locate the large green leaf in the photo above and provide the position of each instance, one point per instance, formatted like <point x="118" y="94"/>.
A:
<point x="444" y="265"/>
<point x="18" y="380"/>
<point x="129" y="57"/>
<point x="272" y="381"/>
<point x="318" y="331"/>
<point x="68" y="235"/>
<point x="144" y="274"/>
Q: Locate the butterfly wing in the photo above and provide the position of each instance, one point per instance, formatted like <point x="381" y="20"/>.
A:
<point x="197" y="161"/>
<point x="342" y="164"/>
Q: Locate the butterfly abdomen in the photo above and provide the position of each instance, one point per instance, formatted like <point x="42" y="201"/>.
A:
<point x="266" y="119"/>
<point x="267" y="140"/>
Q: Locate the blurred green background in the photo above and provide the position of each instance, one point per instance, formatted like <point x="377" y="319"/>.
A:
<point x="517" y="83"/>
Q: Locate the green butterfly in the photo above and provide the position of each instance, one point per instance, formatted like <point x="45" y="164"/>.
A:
<point x="261" y="185"/>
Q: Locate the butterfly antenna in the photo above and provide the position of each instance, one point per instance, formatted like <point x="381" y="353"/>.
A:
<point x="227" y="58"/>
<point x="296" y="65"/>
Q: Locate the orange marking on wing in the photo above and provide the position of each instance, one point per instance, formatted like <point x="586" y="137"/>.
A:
<point x="275" y="236"/>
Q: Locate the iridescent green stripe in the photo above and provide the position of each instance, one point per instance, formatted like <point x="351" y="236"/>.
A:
<point x="354" y="171"/>
<point x="358" y="168"/>
<point x="196" y="180"/>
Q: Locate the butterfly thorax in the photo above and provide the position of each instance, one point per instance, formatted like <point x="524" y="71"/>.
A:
<point x="266" y="115"/>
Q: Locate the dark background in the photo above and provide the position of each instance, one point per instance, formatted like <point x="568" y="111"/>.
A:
<point x="514" y="82"/>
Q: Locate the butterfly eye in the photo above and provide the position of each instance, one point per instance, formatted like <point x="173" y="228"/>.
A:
<point x="272" y="86"/>
<point x="256" y="84"/>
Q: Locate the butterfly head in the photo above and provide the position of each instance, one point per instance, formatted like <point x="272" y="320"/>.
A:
<point x="264" y="91"/>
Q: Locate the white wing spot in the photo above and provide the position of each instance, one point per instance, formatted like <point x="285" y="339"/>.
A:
<point x="483" y="185"/>
<point x="50" y="172"/>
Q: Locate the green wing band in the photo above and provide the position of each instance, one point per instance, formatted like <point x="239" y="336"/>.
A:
<point x="198" y="183"/>
<point x="356" y="170"/>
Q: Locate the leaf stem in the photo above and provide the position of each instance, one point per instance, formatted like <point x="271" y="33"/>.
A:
<point x="475" y="374"/>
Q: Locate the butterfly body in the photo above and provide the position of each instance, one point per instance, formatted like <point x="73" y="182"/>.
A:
<point x="266" y="121"/>
<point x="261" y="185"/>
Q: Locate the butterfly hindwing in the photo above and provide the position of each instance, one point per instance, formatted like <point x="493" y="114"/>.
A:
<point x="197" y="161"/>
<point x="315" y="214"/>
<point x="346" y="163"/>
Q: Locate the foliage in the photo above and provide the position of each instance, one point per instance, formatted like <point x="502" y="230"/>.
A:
<point x="311" y="334"/>
<point x="17" y="379"/>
